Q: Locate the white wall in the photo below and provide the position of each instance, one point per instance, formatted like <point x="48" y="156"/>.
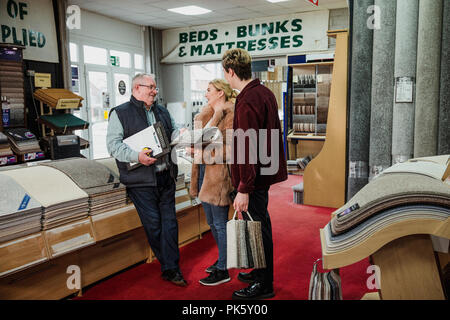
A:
<point x="98" y="28"/>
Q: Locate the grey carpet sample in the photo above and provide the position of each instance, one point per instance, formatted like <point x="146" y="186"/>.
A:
<point x="405" y="66"/>
<point x="103" y="186"/>
<point x="428" y="77"/>
<point x="444" y="104"/>
<point x="360" y="91"/>
<point x="382" y="89"/>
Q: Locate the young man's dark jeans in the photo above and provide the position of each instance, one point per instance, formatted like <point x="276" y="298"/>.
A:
<point x="257" y="207"/>
<point x="156" y="209"/>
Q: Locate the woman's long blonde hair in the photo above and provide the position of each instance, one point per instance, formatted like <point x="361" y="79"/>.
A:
<point x="222" y="85"/>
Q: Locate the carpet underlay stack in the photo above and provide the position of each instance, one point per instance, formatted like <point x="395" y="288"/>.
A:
<point x="20" y="213"/>
<point x="409" y="191"/>
<point x="105" y="191"/>
<point x="62" y="199"/>
<point x="22" y="140"/>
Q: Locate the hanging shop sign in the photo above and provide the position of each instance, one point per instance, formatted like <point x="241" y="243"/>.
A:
<point x="269" y="36"/>
<point x="31" y="24"/>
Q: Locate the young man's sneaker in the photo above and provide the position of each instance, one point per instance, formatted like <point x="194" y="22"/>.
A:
<point x="212" y="268"/>
<point x="216" y="277"/>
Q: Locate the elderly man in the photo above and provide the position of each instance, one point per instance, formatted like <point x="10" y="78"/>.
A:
<point x="151" y="186"/>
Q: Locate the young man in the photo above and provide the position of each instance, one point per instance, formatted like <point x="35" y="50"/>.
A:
<point x="256" y="111"/>
<point x="151" y="187"/>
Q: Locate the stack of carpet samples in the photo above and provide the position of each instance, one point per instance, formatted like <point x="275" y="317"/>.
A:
<point x="62" y="200"/>
<point x="22" y="140"/>
<point x="105" y="191"/>
<point x="20" y="213"/>
<point x="413" y="192"/>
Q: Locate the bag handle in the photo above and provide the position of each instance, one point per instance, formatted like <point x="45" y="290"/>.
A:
<point x="234" y="215"/>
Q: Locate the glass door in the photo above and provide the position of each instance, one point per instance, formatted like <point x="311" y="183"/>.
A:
<point x="99" y="104"/>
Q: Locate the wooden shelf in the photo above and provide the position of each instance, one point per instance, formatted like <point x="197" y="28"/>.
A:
<point x="35" y="266"/>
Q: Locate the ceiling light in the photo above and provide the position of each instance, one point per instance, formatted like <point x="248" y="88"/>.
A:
<point x="190" y="10"/>
<point x="273" y="1"/>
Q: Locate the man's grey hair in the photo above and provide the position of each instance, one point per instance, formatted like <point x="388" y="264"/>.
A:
<point x="139" y="77"/>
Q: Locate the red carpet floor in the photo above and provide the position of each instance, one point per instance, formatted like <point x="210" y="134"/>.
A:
<point x="296" y="246"/>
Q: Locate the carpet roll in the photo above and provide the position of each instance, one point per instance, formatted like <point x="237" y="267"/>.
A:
<point x="382" y="89"/>
<point x="405" y="66"/>
<point x="444" y="104"/>
<point x="428" y="77"/>
<point x="360" y="92"/>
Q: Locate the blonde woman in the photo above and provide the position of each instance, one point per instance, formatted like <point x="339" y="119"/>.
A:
<point x="211" y="182"/>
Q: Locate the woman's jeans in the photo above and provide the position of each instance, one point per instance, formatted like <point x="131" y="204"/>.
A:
<point x="217" y="218"/>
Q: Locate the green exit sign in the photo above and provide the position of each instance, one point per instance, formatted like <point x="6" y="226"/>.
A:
<point x="115" y="61"/>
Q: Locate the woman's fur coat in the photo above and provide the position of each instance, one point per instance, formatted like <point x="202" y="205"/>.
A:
<point x="216" y="182"/>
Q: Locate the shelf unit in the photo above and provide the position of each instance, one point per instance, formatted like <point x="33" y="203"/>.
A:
<point x="306" y="110"/>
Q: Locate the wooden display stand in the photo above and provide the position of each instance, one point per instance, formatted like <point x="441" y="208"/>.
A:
<point x="405" y="255"/>
<point x="324" y="177"/>
<point x="409" y="270"/>
<point x="36" y="266"/>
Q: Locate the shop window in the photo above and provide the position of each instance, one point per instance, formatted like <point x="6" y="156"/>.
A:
<point x="138" y="61"/>
<point x="124" y="60"/>
<point x="73" y="47"/>
<point x="95" y="55"/>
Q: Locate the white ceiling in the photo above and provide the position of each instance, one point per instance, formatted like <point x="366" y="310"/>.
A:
<point x="154" y="12"/>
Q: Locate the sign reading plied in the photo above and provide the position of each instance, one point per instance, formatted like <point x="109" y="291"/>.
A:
<point x="270" y="36"/>
<point x="30" y="23"/>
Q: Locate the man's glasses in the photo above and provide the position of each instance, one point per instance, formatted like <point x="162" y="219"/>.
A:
<point x="150" y="87"/>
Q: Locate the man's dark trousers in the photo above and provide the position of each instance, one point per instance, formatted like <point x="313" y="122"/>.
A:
<point x="156" y="209"/>
<point x="257" y="207"/>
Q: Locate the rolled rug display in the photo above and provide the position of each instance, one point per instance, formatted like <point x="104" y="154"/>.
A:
<point x="20" y="213"/>
<point x="62" y="200"/>
<point x="101" y="184"/>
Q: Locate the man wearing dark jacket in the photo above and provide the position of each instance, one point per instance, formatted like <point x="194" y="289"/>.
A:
<point x="255" y="117"/>
<point x="151" y="186"/>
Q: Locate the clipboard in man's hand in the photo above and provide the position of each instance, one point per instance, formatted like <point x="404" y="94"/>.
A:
<point x="154" y="138"/>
